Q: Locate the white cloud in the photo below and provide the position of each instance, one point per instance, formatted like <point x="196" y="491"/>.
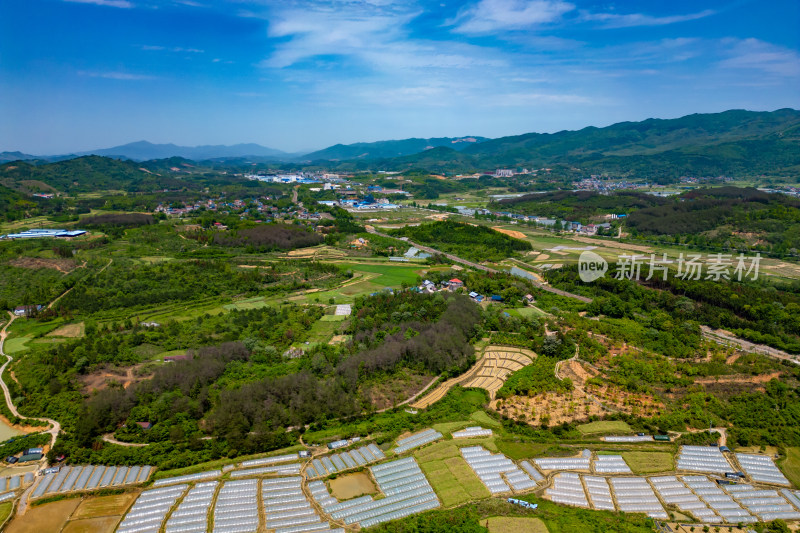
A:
<point x="108" y="3"/>
<point x="113" y="75"/>
<point x="614" y="20"/>
<point x="490" y="16"/>
<point x="375" y="37"/>
<point x="177" y="49"/>
<point x="756" y="55"/>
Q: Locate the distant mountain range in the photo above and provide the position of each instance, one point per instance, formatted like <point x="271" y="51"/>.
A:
<point x="145" y="151"/>
<point x="388" y="149"/>
<point x="733" y="142"/>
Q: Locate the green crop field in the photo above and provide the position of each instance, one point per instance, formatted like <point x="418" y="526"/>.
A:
<point x="605" y="426"/>
<point x="649" y="462"/>
<point x="791" y="465"/>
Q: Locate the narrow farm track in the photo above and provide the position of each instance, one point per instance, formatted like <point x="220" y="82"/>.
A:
<point x="478" y="266"/>
<point x="55" y="428"/>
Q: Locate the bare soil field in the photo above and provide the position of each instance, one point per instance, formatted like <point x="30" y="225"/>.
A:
<point x="93" y="507"/>
<point x="69" y="330"/>
<point x="65" y="266"/>
<point x="100" y="380"/>
<point x="510" y="232"/>
<point x="44" y="518"/>
<point x="105" y="524"/>
<point x="614" y="244"/>
<point x="352" y="486"/>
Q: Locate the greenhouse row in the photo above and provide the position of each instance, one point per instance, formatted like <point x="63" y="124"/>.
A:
<point x="611" y="464"/>
<point x="674" y="492"/>
<point x="191" y="516"/>
<point x="211" y="474"/>
<point x="634" y="495"/>
<point x="628" y="438"/>
<point x="489" y="467"/>
<point x="567" y="489"/>
<point x="417" y="440"/>
<point x="761" y="468"/>
<point x="563" y="463"/>
<point x="286" y="470"/>
<point x="270" y="460"/>
<point x="703" y="459"/>
<point x="236" y="510"/>
<point x="344" y="461"/>
<point x="15" y="482"/>
<point x="150" y="510"/>
<point x="405" y="486"/>
<point x="472" y="432"/>
<point x="286" y="506"/>
<point x="599" y="492"/>
<point x="70" y="478"/>
<point x="531" y="470"/>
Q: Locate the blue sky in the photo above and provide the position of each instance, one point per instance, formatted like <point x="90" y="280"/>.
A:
<point x="302" y="74"/>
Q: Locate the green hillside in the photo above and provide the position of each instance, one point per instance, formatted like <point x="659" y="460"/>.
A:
<point x="386" y="149"/>
<point x="741" y="143"/>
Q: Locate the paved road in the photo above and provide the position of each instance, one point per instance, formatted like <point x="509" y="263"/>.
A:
<point x="478" y="266"/>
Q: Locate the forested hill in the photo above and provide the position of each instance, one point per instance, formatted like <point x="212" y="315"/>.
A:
<point x="388" y="149"/>
<point x="735" y="142"/>
<point x="85" y="174"/>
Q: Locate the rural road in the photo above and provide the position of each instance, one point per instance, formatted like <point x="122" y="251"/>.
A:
<point x="726" y="338"/>
<point x="478" y="266"/>
<point x="55" y="428"/>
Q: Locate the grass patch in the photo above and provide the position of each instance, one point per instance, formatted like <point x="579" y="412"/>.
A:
<point x="333" y="318"/>
<point x="16" y="345"/>
<point x="649" y="462"/>
<point x="790" y="465"/>
<point x="454" y="481"/>
<point x="515" y="524"/>
<point x="605" y="426"/>
<point x="5" y="511"/>
<point x="523" y="450"/>
<point x="484" y="419"/>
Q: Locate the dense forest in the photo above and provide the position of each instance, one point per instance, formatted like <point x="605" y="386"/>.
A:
<point x="234" y="384"/>
<point x="581" y="206"/>
<point x="477" y="243"/>
<point x="773" y="218"/>
<point x="270" y="237"/>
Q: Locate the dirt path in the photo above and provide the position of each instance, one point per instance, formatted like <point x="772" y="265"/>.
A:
<point x="109" y="438"/>
<point x="726" y="338"/>
<point x="55" y="426"/>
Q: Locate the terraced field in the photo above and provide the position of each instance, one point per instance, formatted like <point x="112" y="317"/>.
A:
<point x="490" y="372"/>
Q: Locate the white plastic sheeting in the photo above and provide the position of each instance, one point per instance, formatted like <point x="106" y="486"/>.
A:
<point x="761" y="468"/>
<point x="703" y="459"/>
<point x="496" y="471"/>
<point x="417" y="440"/>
